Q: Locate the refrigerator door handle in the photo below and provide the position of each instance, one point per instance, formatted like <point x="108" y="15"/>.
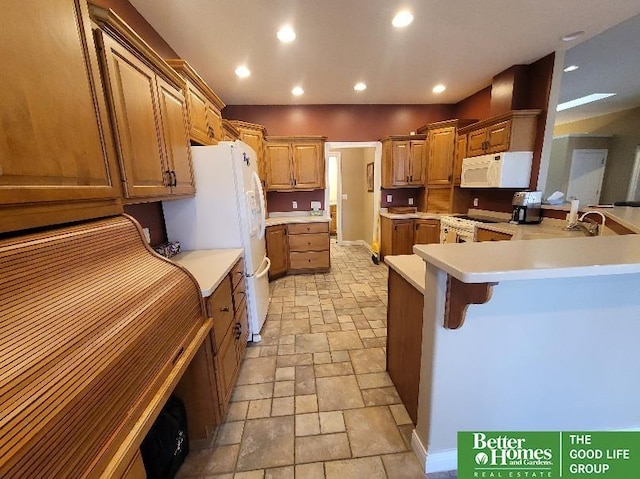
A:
<point x="263" y="216"/>
<point x="266" y="270"/>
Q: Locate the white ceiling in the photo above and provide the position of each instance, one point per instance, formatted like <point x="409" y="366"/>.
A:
<point x="461" y="43"/>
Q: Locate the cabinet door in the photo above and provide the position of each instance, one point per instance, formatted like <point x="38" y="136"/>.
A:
<point x="176" y="138"/>
<point x="133" y="97"/>
<point x="417" y="157"/>
<point x="498" y="136"/>
<point x="214" y="120"/>
<point x="483" y="234"/>
<point x="476" y="142"/>
<point x="242" y="327"/>
<point x="52" y="142"/>
<point x="277" y="250"/>
<point x="440" y="158"/>
<point x="401" y="169"/>
<point x="226" y="362"/>
<point x="426" y="232"/>
<point x="460" y="154"/>
<point x="279" y="175"/>
<point x="308" y="165"/>
<point x="197" y="107"/>
<point x="402" y="237"/>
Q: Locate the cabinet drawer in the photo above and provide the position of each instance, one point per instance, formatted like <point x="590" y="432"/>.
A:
<point x="237" y="273"/>
<point x="239" y="295"/>
<point x="220" y="308"/>
<point x="302" y="228"/>
<point x="309" y="242"/>
<point x="309" y="260"/>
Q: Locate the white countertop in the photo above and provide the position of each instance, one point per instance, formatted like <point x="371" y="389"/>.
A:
<point x="535" y="259"/>
<point x="209" y="267"/>
<point x="626" y="216"/>
<point x="283" y="220"/>
<point x="548" y="227"/>
<point x="411" y="267"/>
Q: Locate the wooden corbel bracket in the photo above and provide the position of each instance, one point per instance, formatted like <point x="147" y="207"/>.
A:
<point x="459" y="296"/>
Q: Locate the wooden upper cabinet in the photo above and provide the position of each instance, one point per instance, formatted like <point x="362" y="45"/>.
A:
<point x="254" y="135"/>
<point x="149" y="112"/>
<point x="203" y="106"/>
<point x="403" y="161"/>
<point x="513" y="131"/>
<point x="295" y="163"/>
<point x="55" y="139"/>
<point x="279" y="175"/>
<point x="230" y="132"/>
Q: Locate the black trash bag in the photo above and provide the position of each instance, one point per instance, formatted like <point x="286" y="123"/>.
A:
<point x="166" y="446"/>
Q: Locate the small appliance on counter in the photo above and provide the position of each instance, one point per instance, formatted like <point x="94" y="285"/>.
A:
<point x="526" y="207"/>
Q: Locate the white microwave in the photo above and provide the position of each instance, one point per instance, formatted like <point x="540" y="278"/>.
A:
<point x="511" y="169"/>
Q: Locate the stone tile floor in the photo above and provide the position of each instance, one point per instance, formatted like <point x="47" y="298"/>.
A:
<point x="313" y="399"/>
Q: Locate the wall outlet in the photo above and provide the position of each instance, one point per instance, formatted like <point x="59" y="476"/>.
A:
<point x="147" y="234"/>
<point x="345" y="196"/>
<point x="389" y="198"/>
<point x="295" y="205"/>
<point x="315" y="205"/>
<point x="475" y="202"/>
<point x="410" y="201"/>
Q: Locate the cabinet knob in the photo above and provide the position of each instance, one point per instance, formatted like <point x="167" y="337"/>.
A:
<point x="225" y="309"/>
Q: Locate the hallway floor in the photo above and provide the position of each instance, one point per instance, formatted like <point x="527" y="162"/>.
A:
<point x="313" y="399"/>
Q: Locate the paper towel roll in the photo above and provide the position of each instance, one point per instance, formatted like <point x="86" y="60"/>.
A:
<point x="573" y="212"/>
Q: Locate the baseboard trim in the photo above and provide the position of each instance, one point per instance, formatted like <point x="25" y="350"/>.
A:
<point x="419" y="450"/>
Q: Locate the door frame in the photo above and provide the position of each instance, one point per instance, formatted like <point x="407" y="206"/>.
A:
<point x="635" y="178"/>
<point x="377" y="177"/>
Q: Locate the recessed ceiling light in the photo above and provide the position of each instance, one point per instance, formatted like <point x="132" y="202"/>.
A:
<point x="572" y="36"/>
<point x="439" y="88"/>
<point x="402" y="19"/>
<point x="242" y="71"/>
<point x="297" y="91"/>
<point x="583" y="100"/>
<point x="571" y="68"/>
<point x="286" y="34"/>
<point x="359" y="86"/>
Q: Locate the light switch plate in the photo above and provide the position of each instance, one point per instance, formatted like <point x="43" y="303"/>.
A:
<point x="389" y="198"/>
<point x="410" y="201"/>
<point x="344" y="196"/>
<point x="475" y="202"/>
<point x="295" y="205"/>
<point x="147" y="234"/>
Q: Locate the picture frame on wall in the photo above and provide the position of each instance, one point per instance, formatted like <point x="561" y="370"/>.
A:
<point x="369" y="176"/>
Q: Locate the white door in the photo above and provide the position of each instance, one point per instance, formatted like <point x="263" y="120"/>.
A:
<point x="586" y="174"/>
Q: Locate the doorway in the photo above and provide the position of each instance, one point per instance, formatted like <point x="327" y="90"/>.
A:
<point x="356" y="203"/>
<point x="633" y="193"/>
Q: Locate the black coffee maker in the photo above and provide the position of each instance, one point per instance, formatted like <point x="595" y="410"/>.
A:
<point x="526" y="207"/>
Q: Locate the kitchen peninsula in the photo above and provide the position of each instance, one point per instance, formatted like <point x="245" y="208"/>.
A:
<point x="552" y="346"/>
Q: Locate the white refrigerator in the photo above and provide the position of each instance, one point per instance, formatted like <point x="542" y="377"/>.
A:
<point x="228" y="211"/>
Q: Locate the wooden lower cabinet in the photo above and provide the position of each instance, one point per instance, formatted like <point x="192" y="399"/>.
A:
<point x="206" y="386"/>
<point x="483" y="234"/>
<point x="277" y="250"/>
<point x="399" y="236"/>
<point x="298" y="248"/>
<point x="404" y="340"/>
<point x="136" y="469"/>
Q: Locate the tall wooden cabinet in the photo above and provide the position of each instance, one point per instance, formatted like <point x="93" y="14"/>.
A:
<point x="57" y="162"/>
<point x="295" y="163"/>
<point x="148" y="110"/>
<point x="403" y="161"/>
<point x="203" y="106"/>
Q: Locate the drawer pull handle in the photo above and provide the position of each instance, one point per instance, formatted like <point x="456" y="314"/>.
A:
<point x="177" y="356"/>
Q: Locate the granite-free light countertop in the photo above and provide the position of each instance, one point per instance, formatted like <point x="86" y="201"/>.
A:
<point x="535" y="259"/>
<point x="208" y="266"/>
<point x="285" y="220"/>
<point x="410" y="266"/>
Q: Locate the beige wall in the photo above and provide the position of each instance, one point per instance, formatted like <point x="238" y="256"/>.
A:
<point x="357" y="209"/>
<point x="624" y="126"/>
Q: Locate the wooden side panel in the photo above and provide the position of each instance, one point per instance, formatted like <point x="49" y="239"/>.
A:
<point x="197" y="108"/>
<point x="94" y="326"/>
<point x="404" y="340"/>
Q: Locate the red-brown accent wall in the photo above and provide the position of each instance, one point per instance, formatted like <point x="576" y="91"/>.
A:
<point x="283" y="200"/>
<point x="129" y="14"/>
<point x="476" y="106"/>
<point x="400" y="196"/>
<point x="340" y="122"/>
<point x="150" y="215"/>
